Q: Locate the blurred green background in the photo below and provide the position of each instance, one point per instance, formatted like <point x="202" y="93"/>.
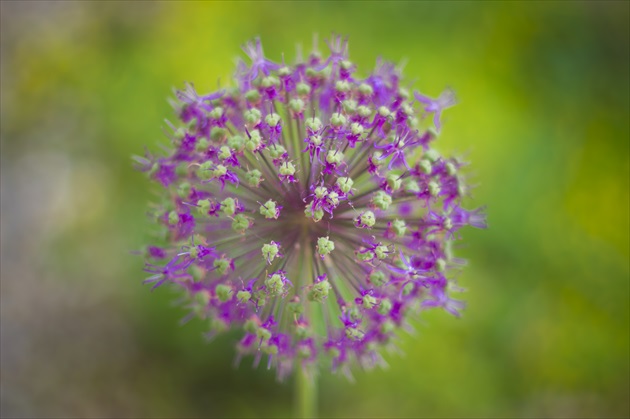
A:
<point x="543" y="114"/>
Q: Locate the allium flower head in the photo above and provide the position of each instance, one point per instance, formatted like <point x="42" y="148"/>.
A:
<point x="308" y="207"/>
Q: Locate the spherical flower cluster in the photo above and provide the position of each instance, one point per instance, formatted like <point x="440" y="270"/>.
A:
<point x="308" y="207"/>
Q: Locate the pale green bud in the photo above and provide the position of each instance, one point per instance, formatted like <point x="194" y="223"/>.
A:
<point x="204" y="171"/>
<point x="252" y="116"/>
<point x="334" y="156"/>
<point x="224" y="152"/>
<point x="364" y="111"/>
<point x="269" y="209"/>
<point x="197" y="272"/>
<point x="202" y="298"/>
<point x="240" y="223"/>
<point x="451" y="169"/>
<point x="354" y="334"/>
<point x="236" y="142"/>
<point x="356" y="128"/>
<point x="434" y="188"/>
<point x="324" y="246"/>
<point x="399" y="227"/>
<point x="367" y="219"/>
<point x="319" y="291"/>
<point x="431" y="155"/>
<point x="219" y="171"/>
<point x="224" y="292"/>
<point x="284" y="71"/>
<point x="270" y="349"/>
<point x="342" y="86"/>
<point x="243" y="296"/>
<point x="173" y="217"/>
<point x="287" y="169"/>
<point x="296" y="105"/>
<point x="440" y="265"/>
<point x="313" y="124"/>
<point x="316" y="215"/>
<point x="270" y="251"/>
<point x="354" y="314"/>
<point x="366" y="89"/>
<point x="183" y="190"/>
<point x="384" y="307"/>
<point x="408" y="289"/>
<point x="202" y="145"/>
<point x="407" y="109"/>
<point x="263" y="334"/>
<point x="321" y="191"/>
<point x="333" y="198"/>
<point x="276" y="151"/>
<point x="381" y="251"/>
<point x="394" y="182"/>
<point x="252" y="96"/>
<point x="261" y="299"/>
<point x="253" y="177"/>
<point x="222" y="266"/>
<point x="272" y="119"/>
<point x="345" y="184"/>
<point x="349" y="106"/>
<point x="217" y="133"/>
<point x="365" y="256"/>
<point x="382" y="200"/>
<point x="274" y="285"/>
<point x="378" y="278"/>
<point x="303" y="89"/>
<point x="337" y="120"/>
<point x="228" y="206"/>
<point x="216" y="113"/>
<point x="369" y="302"/>
<point x="425" y="166"/>
<point x="269" y="81"/>
<point x="203" y="206"/>
<point x="254" y="141"/>
<point x="411" y="186"/>
<point x="316" y="140"/>
<point x="383" y="111"/>
<point x="251" y="326"/>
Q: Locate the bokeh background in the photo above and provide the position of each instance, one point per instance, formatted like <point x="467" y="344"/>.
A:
<point x="543" y="114"/>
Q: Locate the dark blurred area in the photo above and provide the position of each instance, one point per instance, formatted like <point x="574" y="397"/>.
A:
<point x="543" y="116"/>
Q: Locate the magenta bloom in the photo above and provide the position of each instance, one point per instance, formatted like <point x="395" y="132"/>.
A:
<point x="307" y="207"/>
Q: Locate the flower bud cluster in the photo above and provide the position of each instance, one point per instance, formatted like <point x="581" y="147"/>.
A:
<point x="308" y="207"/>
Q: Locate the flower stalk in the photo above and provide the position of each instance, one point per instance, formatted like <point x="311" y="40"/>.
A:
<point x="306" y="393"/>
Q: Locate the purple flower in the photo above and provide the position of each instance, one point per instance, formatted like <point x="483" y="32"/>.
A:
<point x="306" y="201"/>
<point x="260" y="64"/>
<point x="436" y="106"/>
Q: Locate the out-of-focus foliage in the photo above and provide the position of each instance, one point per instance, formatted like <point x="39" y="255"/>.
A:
<point x="543" y="114"/>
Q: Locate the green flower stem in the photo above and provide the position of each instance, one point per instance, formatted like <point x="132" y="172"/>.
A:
<point x="305" y="394"/>
<point x="305" y="380"/>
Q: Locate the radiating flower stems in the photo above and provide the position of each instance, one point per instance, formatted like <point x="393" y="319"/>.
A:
<point x="305" y="379"/>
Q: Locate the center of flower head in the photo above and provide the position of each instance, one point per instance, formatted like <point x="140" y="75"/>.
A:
<point x="307" y="206"/>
